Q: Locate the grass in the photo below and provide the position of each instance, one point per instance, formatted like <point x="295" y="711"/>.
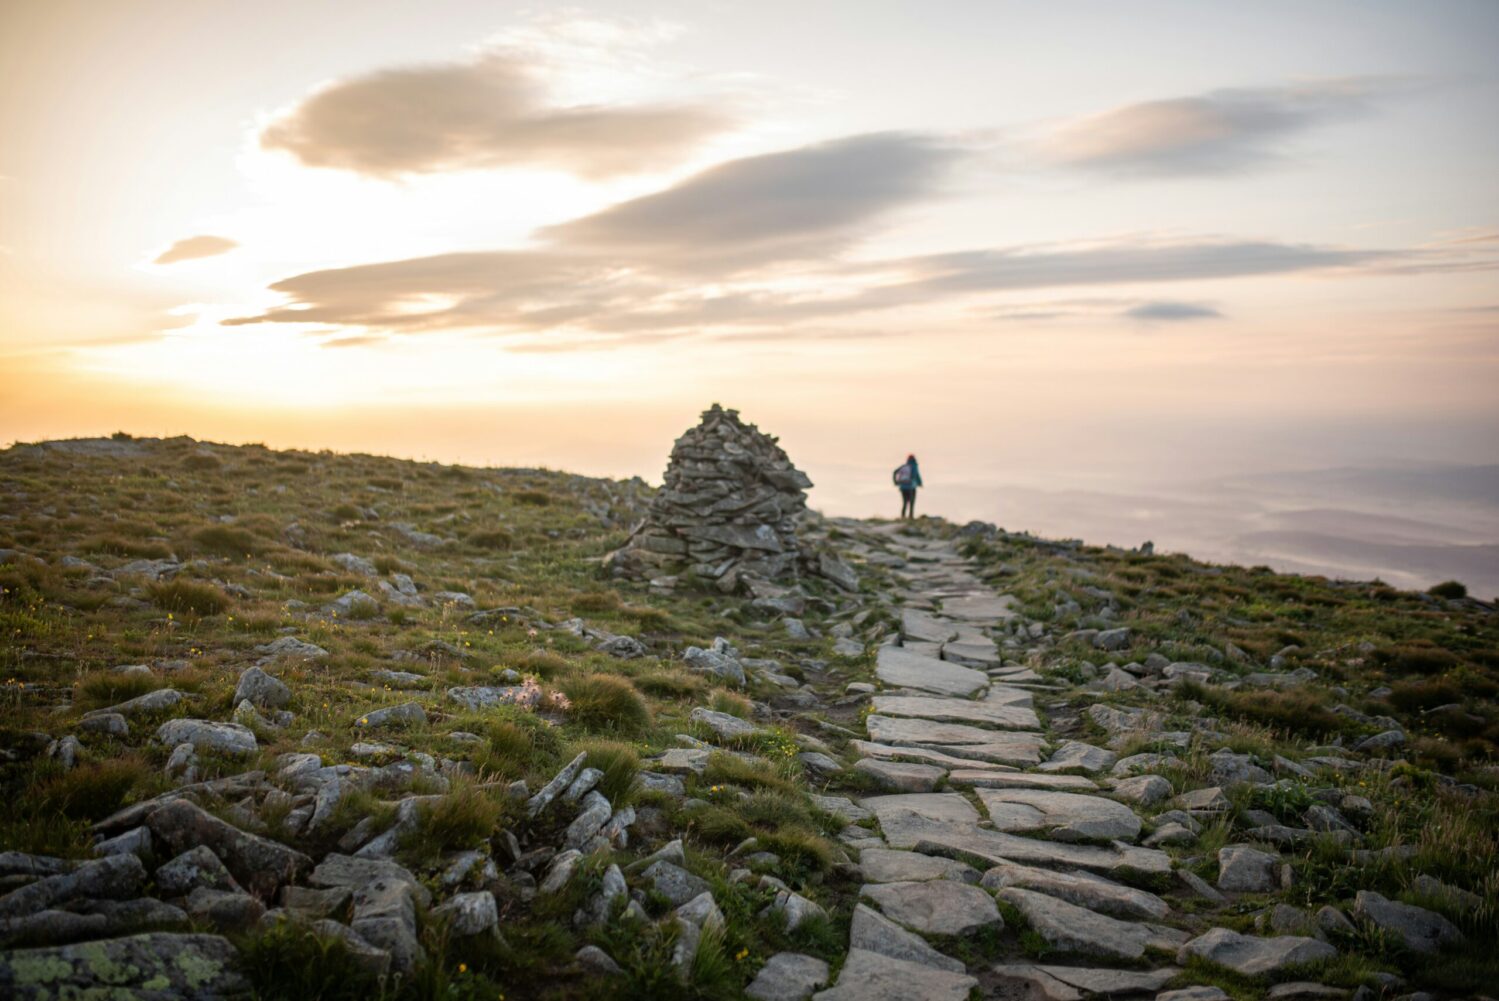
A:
<point x="185" y="597"/>
<point x="620" y="764"/>
<point x="606" y="702"/>
<point x="463" y="818"/>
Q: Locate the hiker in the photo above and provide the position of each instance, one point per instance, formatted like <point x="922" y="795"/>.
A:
<point x="907" y="476"/>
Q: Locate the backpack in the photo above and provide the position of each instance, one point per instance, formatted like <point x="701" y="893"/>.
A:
<point x="903" y="475"/>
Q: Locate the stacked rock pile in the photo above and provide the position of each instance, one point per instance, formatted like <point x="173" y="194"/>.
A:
<point x="728" y="509"/>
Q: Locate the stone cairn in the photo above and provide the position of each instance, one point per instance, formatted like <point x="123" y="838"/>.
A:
<point x="728" y="510"/>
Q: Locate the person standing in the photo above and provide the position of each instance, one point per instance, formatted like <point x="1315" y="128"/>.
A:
<point x="907" y="476"/>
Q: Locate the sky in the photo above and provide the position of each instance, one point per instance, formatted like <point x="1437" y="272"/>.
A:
<point x="1068" y="246"/>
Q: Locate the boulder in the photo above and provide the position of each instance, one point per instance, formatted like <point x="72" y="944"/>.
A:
<point x="1421" y="930"/>
<point x="158" y="965"/>
<point x="258" y="864"/>
<point x="1251" y="956"/>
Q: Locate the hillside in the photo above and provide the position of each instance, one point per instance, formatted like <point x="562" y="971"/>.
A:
<point x="303" y="725"/>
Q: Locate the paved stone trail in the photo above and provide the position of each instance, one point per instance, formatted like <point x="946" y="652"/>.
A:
<point x="1041" y="836"/>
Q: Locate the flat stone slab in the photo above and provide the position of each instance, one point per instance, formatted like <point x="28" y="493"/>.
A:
<point x="903" y="776"/>
<point x="1075" y="754"/>
<point x="1073" y="983"/>
<point x="788" y="976"/>
<point x="1005" y="717"/>
<point x="900" y="668"/>
<point x="1009" y="695"/>
<point x="1084" y="889"/>
<point x="981" y="608"/>
<point x="906" y="818"/>
<point x="871" y="930"/>
<point x="990" y="779"/>
<point x="934" y="907"/>
<point x="923" y="626"/>
<point x="1064" y="816"/>
<point x="1070" y="928"/>
<point x="1252" y="956"/>
<point x="1005" y="746"/>
<point x="971" y="653"/>
<point x="978" y="846"/>
<point x="886" y="865"/>
<point x="924" y="754"/>
<point x="869" y="976"/>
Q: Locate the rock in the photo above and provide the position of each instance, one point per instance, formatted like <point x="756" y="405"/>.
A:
<point x="158" y="965"/>
<point x="1136" y="763"/>
<point x="113" y="877"/>
<point x="1078" y="756"/>
<point x="788" y="976"/>
<point x="227" y="911"/>
<point x="106" y="725"/>
<point x="159" y="701"/>
<point x="561" y="871"/>
<point x="1242" y="869"/>
<point x="1112" y="639"/>
<point x="470" y="914"/>
<point x="868" y="976"/>
<point x="935" y="907"/>
<point x="314" y="904"/>
<point x="258" y="864"/>
<point x="1251" y="956"/>
<point x="203" y="735"/>
<point x="560" y="782"/>
<point x="1301" y="990"/>
<point x="405" y="714"/>
<point x="1209" y="800"/>
<point x="901" y="776"/>
<point x="1451" y="896"/>
<point x="385" y="916"/>
<point x="1086" y="890"/>
<point x="674" y="883"/>
<point x="957" y="711"/>
<point x="595" y="813"/>
<point x="1381" y="741"/>
<point x="1199" y="993"/>
<point x="883" y="865"/>
<point x="957" y="739"/>
<point x="874" y="932"/>
<point x="685" y="759"/>
<point x="794" y="908"/>
<point x="1421" y="930"/>
<point x="1199" y="886"/>
<point x="1073" y="983"/>
<point x="900" y="668"/>
<point x="1070" y="928"/>
<point x="1170" y="835"/>
<point x="65" y="752"/>
<point x="293" y="648"/>
<point x="724" y="725"/>
<point x="592" y="958"/>
<point x="262" y="690"/>
<point x="1331" y="922"/>
<point x="193" y="868"/>
<point x="51" y="928"/>
<point x="720" y="661"/>
<point x="136" y="841"/>
<point x="354" y="564"/>
<point x="1147" y="790"/>
<point x="1065" y="816"/>
<point x="1230" y="769"/>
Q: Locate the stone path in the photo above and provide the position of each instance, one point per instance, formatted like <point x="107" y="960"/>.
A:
<point x="1025" y="821"/>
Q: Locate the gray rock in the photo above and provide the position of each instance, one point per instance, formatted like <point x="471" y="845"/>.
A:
<point x="1170" y="835"/>
<point x="261" y="690"/>
<point x="1230" y="769"/>
<point x="1147" y="790"/>
<point x="158" y="965"/>
<point x="935" y="907"/>
<point x="561" y="871"/>
<point x="194" y="868"/>
<point x="1073" y="983"/>
<point x="258" y="864"/>
<point x="1064" y="816"/>
<point x="113" y="877"/>
<point x="983" y="713"/>
<point x="158" y="701"/>
<point x="228" y="911"/>
<point x="1242" y="869"/>
<point x="1112" y="639"/>
<point x="724" y="725"/>
<point x="595" y="813"/>
<point x="1078" y="756"/>
<point x="291" y="647"/>
<point x="354" y="564"/>
<point x="788" y="976"/>
<point x="106" y="724"/>
<point x="884" y="865"/>
<point x="385" y="916"/>
<point x="874" y="932"/>
<point x="900" y="668"/>
<point x="794" y="909"/>
<point x="719" y="660"/>
<point x="136" y="841"/>
<point x="1251" y="956"/>
<point x="405" y="714"/>
<point x="1070" y="928"/>
<point x="1199" y="993"/>
<point x="674" y="883"/>
<point x="204" y="735"/>
<point x="1086" y="890"/>
<point x="554" y="788"/>
<point x="592" y="958"/>
<point x="868" y="976"/>
<point x="901" y="776"/>
<point x="315" y="904"/>
<point x="1381" y="741"/>
<point x="1421" y="930"/>
<point x="470" y="914"/>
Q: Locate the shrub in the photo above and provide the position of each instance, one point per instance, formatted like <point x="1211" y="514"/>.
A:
<point x="288" y="962"/>
<point x="226" y="540"/>
<point x="595" y="601"/>
<point x="620" y="764"/>
<point x="494" y="539"/>
<point x="92" y="790"/>
<point x="202" y="462"/>
<point x="1415" y="695"/>
<point x="460" y="819"/>
<point x="116" y="545"/>
<point x="670" y="684"/>
<point x="733" y="703"/>
<point x="345" y="512"/>
<point x="543" y="663"/>
<point x="515" y="745"/>
<point x="385" y="483"/>
<point x="107" y="688"/>
<point x="1451" y="589"/>
<point x="539" y="498"/>
<point x="606" y="702"/>
<point x="1415" y="658"/>
<point x="188" y="598"/>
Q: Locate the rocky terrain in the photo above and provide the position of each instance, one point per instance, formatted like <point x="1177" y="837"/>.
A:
<point x="303" y="725"/>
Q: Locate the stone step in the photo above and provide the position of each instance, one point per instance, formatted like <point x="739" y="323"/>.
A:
<point x="1077" y="930"/>
<point x="1004" y="717"/>
<point x="1084" y="889"/>
<point x="869" y="976"/>
<point x="926" y="755"/>
<point x="1062" y="816"/>
<point x="1073" y="983"/>
<point x="1004" y="746"/>
<point x="982" y="778"/>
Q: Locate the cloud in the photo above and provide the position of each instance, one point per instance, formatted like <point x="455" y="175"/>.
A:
<point x="790" y="205"/>
<point x="492" y="111"/>
<point x="1165" y="311"/>
<point x="1222" y="131"/>
<point x="194" y="247"/>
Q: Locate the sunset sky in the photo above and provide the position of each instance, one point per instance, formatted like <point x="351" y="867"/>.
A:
<point x="1064" y="244"/>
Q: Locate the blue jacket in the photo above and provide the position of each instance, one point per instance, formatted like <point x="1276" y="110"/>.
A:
<point x="915" y="476"/>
